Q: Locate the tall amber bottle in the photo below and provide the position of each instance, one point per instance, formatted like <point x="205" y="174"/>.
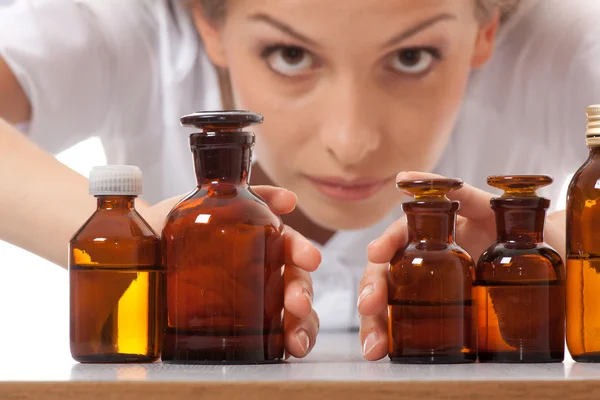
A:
<point x="223" y="250"/>
<point x="583" y="250"/>
<point x="115" y="275"/>
<point x="520" y="280"/>
<point x="431" y="312"/>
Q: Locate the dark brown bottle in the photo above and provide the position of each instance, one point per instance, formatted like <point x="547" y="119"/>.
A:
<point x="520" y="280"/>
<point x="116" y="277"/>
<point x="583" y="250"/>
<point x="223" y="251"/>
<point x="431" y="312"/>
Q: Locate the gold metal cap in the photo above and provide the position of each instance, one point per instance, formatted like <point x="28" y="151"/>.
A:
<point x="592" y="134"/>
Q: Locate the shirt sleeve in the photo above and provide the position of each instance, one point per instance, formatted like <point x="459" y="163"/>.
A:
<point x="69" y="57"/>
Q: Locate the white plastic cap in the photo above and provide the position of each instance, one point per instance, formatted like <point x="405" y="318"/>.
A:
<point x="124" y="180"/>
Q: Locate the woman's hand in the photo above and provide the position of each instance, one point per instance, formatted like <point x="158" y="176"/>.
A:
<point x="301" y="258"/>
<point x="475" y="231"/>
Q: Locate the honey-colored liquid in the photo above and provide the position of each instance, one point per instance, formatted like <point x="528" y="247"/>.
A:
<point x="117" y="286"/>
<point x="129" y="331"/>
<point x="583" y="308"/>
<point x="431" y="332"/>
<point x="520" y="321"/>
<point x="583" y="261"/>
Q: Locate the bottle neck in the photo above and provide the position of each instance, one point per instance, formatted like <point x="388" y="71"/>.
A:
<point x="594" y="151"/>
<point x="116" y="202"/>
<point x="521" y="220"/>
<point x="222" y="164"/>
<point x="431" y="221"/>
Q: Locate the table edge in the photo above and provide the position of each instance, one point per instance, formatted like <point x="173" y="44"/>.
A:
<point x="372" y="390"/>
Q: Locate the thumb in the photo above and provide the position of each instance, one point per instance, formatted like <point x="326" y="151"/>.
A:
<point x="474" y="203"/>
<point x="155" y="215"/>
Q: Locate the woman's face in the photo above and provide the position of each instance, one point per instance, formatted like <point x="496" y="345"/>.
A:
<point x="352" y="92"/>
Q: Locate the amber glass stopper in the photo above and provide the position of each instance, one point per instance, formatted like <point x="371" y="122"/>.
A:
<point x="221" y="127"/>
<point x="209" y="121"/>
<point x="429" y="189"/>
<point x="519" y="185"/>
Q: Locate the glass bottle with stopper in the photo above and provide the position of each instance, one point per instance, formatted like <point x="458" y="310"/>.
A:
<point x="430" y="307"/>
<point x="520" y="280"/>
<point x="223" y="251"/>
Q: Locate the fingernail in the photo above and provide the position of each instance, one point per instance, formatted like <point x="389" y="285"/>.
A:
<point x="365" y="292"/>
<point x="303" y="340"/>
<point x="370" y="343"/>
<point x="295" y="195"/>
<point x="308" y="296"/>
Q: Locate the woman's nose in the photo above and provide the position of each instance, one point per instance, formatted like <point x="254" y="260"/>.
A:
<point x="350" y="132"/>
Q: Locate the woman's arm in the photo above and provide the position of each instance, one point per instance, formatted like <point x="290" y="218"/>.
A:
<point x="14" y="105"/>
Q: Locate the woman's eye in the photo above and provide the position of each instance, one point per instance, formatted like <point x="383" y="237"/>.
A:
<point x="289" y="60"/>
<point x="413" y="61"/>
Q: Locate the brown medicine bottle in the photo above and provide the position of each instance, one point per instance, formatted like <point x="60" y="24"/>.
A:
<point x="431" y="314"/>
<point x="520" y="280"/>
<point x="115" y="275"/>
<point x="223" y="250"/>
<point x="583" y="250"/>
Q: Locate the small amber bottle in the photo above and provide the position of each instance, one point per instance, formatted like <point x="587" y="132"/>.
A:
<point x="115" y="275"/>
<point x="223" y="251"/>
<point x="583" y="250"/>
<point x="430" y="282"/>
<point x="520" y="280"/>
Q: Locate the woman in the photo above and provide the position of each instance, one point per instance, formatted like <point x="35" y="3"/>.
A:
<point x="351" y="93"/>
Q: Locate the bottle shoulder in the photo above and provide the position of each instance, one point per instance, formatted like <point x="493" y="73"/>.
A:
<point x="118" y="224"/>
<point x="228" y="207"/>
<point x="502" y="250"/>
<point x="586" y="176"/>
<point x="507" y="261"/>
<point x="420" y="254"/>
<point x="111" y="239"/>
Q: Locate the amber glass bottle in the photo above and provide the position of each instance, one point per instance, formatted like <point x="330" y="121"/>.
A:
<point x="430" y="282"/>
<point x="223" y="251"/>
<point x="583" y="251"/>
<point x="520" y="280"/>
<point x="115" y="275"/>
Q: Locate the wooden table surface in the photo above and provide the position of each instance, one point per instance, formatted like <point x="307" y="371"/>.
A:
<point x="335" y="370"/>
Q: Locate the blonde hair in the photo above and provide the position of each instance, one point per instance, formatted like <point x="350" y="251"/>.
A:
<point x="485" y="9"/>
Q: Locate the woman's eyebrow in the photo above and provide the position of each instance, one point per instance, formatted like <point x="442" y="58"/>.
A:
<point x="282" y="27"/>
<point x="418" y="28"/>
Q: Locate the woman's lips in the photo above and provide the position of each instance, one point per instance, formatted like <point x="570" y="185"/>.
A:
<point x="348" y="190"/>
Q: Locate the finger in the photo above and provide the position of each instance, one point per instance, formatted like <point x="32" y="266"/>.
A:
<point x="382" y="249"/>
<point x="300" y="252"/>
<point x="156" y="215"/>
<point x="298" y="292"/>
<point x="301" y="334"/>
<point x="280" y="200"/>
<point x="372" y="292"/>
<point x="474" y="203"/>
<point x="373" y="336"/>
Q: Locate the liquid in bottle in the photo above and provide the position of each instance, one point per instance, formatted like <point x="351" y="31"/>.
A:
<point x="116" y="276"/>
<point x="583" y="250"/>
<point x="520" y="280"/>
<point x="223" y="251"/>
<point x="430" y="306"/>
